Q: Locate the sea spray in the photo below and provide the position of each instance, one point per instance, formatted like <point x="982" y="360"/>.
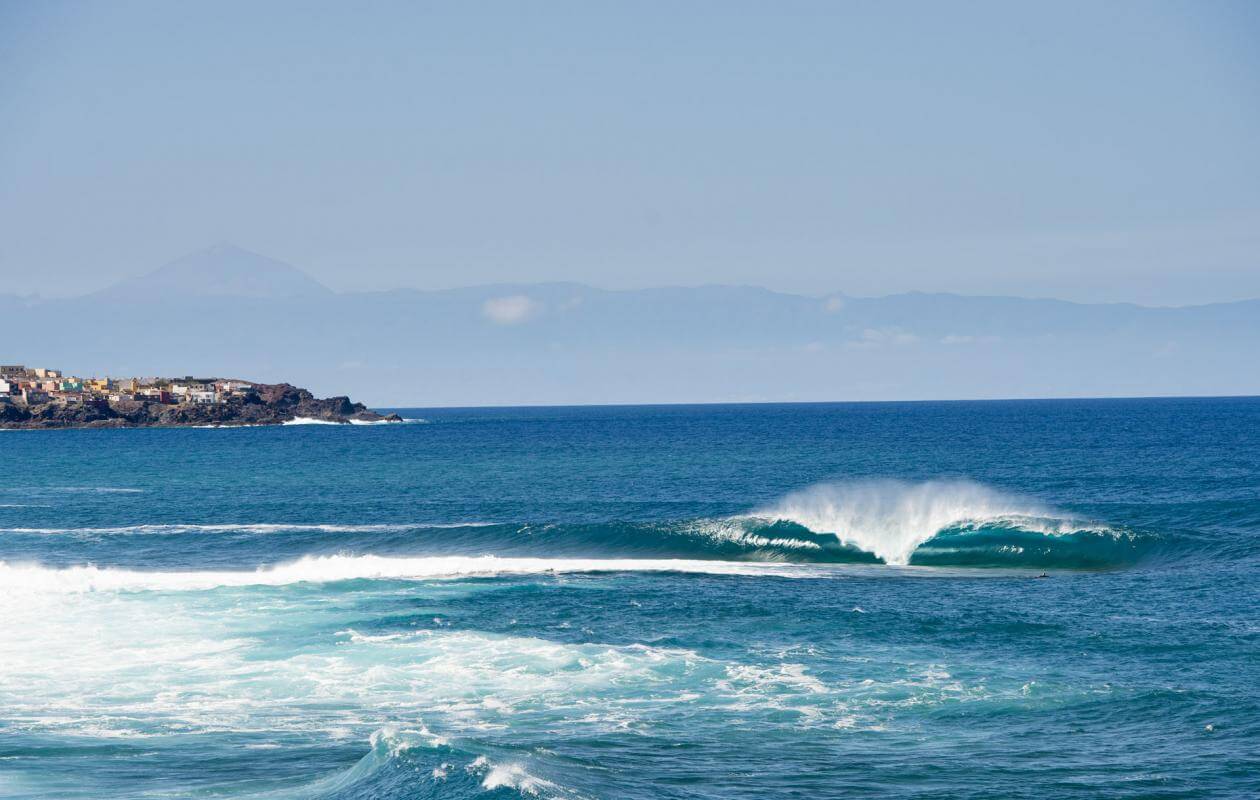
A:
<point x="891" y="518"/>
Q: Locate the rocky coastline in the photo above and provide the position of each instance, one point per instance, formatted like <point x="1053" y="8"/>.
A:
<point x="268" y="404"/>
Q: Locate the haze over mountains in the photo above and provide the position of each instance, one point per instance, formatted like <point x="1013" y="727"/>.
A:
<point x="227" y="311"/>
<point x="223" y="270"/>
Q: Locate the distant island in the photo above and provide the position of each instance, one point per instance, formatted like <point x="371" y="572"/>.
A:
<point x="45" y="398"/>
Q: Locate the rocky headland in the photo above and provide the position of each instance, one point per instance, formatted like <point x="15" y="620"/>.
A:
<point x="268" y="404"/>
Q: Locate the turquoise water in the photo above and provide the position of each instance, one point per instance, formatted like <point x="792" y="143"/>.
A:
<point x="836" y="600"/>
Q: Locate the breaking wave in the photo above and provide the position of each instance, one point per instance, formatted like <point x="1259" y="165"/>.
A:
<point x="935" y="523"/>
<point x="903" y="523"/>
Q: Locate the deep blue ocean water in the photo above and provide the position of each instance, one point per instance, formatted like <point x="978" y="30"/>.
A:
<point x="838" y="600"/>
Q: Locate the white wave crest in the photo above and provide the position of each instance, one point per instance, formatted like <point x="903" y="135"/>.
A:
<point x="27" y="578"/>
<point x="309" y="421"/>
<point x="260" y="527"/>
<point x="892" y="518"/>
<point x="724" y="531"/>
<point x="511" y="776"/>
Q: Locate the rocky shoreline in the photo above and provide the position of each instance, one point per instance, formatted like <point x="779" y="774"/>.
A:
<point x="269" y="404"/>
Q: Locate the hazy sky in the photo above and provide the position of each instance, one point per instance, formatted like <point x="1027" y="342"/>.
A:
<point x="1091" y="151"/>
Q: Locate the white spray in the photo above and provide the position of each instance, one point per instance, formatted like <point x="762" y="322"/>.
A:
<point x="892" y="518"/>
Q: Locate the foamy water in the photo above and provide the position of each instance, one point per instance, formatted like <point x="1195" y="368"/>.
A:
<point x="324" y="569"/>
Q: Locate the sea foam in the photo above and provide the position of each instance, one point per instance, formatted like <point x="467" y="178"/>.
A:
<point x="326" y="569"/>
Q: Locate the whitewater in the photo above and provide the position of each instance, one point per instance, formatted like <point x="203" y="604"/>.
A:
<point x="1025" y="599"/>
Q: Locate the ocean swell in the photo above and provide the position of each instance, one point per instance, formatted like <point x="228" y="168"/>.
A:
<point x="935" y="523"/>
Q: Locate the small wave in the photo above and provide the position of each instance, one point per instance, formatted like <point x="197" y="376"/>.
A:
<point x="309" y="421"/>
<point x="419" y="763"/>
<point x="71" y="490"/>
<point x="261" y="527"/>
<point x="510" y="776"/>
<point x="893" y="519"/>
<point x="329" y="569"/>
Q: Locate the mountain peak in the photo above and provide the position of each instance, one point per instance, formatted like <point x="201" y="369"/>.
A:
<point x="221" y="270"/>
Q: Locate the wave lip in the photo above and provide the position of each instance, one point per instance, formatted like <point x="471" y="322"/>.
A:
<point x="892" y="519"/>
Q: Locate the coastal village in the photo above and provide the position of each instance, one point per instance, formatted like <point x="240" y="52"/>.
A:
<point x="34" y="386"/>
<point x="48" y="398"/>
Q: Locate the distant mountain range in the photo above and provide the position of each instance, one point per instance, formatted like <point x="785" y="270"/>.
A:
<point x="227" y="311"/>
<point x="223" y="270"/>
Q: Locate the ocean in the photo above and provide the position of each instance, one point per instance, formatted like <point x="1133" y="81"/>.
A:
<point x="729" y="601"/>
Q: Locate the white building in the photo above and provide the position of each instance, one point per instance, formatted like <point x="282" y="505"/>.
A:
<point x="234" y="387"/>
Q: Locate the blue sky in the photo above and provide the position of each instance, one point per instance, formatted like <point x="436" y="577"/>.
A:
<point x="1088" y="151"/>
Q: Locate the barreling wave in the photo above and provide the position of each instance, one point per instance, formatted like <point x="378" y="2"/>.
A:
<point x="957" y="523"/>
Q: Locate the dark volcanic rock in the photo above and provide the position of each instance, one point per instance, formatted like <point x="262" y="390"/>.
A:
<point x="11" y="413"/>
<point x="301" y="403"/>
<point x="272" y="404"/>
<point x="282" y="395"/>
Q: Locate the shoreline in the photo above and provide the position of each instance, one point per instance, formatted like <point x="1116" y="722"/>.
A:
<point x="120" y="424"/>
<point x="264" y="404"/>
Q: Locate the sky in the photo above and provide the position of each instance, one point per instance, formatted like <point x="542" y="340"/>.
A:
<point x="1086" y="151"/>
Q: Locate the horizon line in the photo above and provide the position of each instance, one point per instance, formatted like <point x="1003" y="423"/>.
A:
<point x="710" y="404"/>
